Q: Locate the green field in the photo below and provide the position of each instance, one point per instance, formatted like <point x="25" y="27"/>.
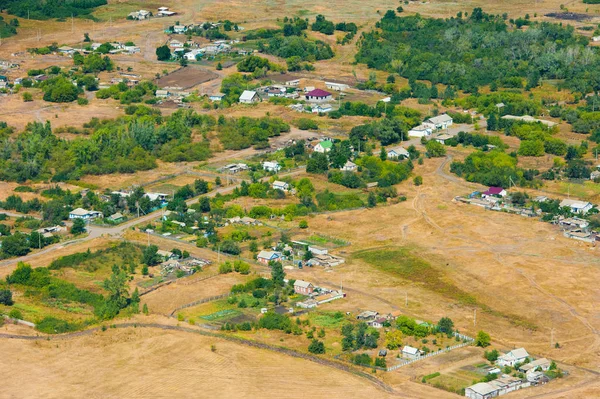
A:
<point x="327" y="319"/>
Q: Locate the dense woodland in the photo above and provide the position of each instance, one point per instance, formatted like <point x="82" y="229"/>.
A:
<point x="470" y="51"/>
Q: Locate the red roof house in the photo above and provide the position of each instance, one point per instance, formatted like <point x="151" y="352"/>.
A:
<point x="318" y="95"/>
<point x="498" y="191"/>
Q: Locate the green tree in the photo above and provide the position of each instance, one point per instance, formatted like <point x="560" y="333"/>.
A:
<point x="6" y="297"/>
<point x="492" y="122"/>
<point x="277" y="273"/>
<point x="150" y="256"/>
<point x="219" y="67"/>
<point x="372" y="200"/>
<point x="446" y="325"/>
<point x="78" y="227"/>
<point x="435" y="149"/>
<point x="15" y="245"/>
<point x="316" y="347"/>
<point x="318" y="163"/>
<point x="145" y="309"/>
<point x="383" y="154"/>
<point x="492" y="355"/>
<point x="27" y="97"/>
<point x="483" y="339"/>
<point x="418" y="180"/>
<point x="303" y="224"/>
<point x="163" y="53"/>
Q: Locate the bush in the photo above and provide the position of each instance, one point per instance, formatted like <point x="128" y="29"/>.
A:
<point x="303" y="224"/>
<point x="225" y="268"/>
<point x="27" y="97"/>
<point x="418" y="180"/>
<point x="316" y="347"/>
<point x="306" y="124"/>
<point x="6" y="297"/>
<point x="82" y="101"/>
<point x="15" y="314"/>
<point x="52" y="325"/>
<point x="492" y="355"/>
<point x="483" y="339"/>
<point x="274" y="321"/>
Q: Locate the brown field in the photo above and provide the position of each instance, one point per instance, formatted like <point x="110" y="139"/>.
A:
<point x="186" y="77"/>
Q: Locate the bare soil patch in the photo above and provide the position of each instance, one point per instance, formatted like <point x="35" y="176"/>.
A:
<point x="186" y="78"/>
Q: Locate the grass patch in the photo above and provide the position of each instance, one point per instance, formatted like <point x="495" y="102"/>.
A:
<point x="455" y="381"/>
<point x="327" y="319"/>
<point x="322" y="240"/>
<point x="221" y="314"/>
<point x="402" y="263"/>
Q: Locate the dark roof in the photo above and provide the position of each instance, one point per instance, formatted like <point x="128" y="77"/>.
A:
<point x="494" y="190"/>
<point x="318" y="93"/>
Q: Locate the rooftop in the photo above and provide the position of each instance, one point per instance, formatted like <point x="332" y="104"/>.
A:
<point x="318" y="93"/>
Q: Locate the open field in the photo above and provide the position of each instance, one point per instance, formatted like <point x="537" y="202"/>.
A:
<point x="186" y="77"/>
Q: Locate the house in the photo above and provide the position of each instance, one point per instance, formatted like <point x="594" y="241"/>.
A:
<point x="494" y="191"/>
<point x="292" y="82"/>
<point x="84" y="214"/>
<point x="281" y="185"/>
<point x="66" y="50"/>
<point x="274" y="91"/>
<point x="349" y="166"/>
<point x="271" y="166"/>
<point x="398" y="153"/>
<point x="161" y="93"/>
<point x="131" y="49"/>
<point x="180" y="29"/>
<point x="576" y="206"/>
<point x="506" y="384"/>
<point x="513" y="357"/>
<point x="543" y="364"/>
<point x="595" y="175"/>
<point x="540" y="198"/>
<point x="378" y="322"/>
<point x="367" y="315"/>
<point x="157" y="196"/>
<point x="303" y="287"/>
<point x="175" y="44"/>
<point x="116" y="217"/>
<point x="267" y="256"/>
<point x="336" y="86"/>
<point x="420" y="131"/>
<point x="216" y="97"/>
<point x="234" y="168"/>
<point x="321" y="109"/>
<point x="166" y="255"/>
<point x="536" y="377"/>
<point x="249" y="97"/>
<point x="166" y="13"/>
<point x="318" y="95"/>
<point x="573" y="223"/>
<point x="440" y="122"/>
<point x="317" y="250"/>
<point x="324" y="146"/>
<point x="325" y="260"/>
<point x="442" y="138"/>
<point x="139" y="15"/>
<point x="410" y="352"/>
<point x="482" y="390"/>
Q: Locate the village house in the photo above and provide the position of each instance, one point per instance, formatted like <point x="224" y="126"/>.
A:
<point x="180" y="29"/>
<point x="166" y="255"/>
<point x="336" y="86"/>
<point x="575" y="206"/>
<point x="323" y="146"/>
<point x="349" y="166"/>
<point x="318" y="95"/>
<point x="317" y="250"/>
<point x="84" y="214"/>
<point x="494" y="192"/>
<point x="308" y="303"/>
<point x="175" y="44"/>
<point x="234" y="168"/>
<point x="303" y="287"/>
<point x="321" y="109"/>
<point x="281" y="185"/>
<point x="573" y="223"/>
<point x="266" y="256"/>
<point x="367" y="315"/>
<point x="442" y="138"/>
<point x="116" y="217"/>
<point x="139" y="15"/>
<point x="440" y="122"/>
<point x="411" y="352"/>
<point x="249" y="97"/>
<point x="161" y="93"/>
<point x="325" y="260"/>
<point x="482" y="390"/>
<point x="165" y="12"/>
<point x="66" y="50"/>
<point x="513" y="357"/>
<point x="378" y="322"/>
<point x="398" y="153"/>
<point x="162" y="197"/>
<point x="543" y="364"/>
<point x="271" y="166"/>
<point x="420" y="131"/>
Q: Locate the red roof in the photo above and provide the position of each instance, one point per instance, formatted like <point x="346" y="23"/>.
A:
<point x="494" y="191"/>
<point x="318" y="93"/>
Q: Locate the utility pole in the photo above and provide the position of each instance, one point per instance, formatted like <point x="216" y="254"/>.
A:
<point x="551" y="336"/>
<point x="406" y="300"/>
<point x="72" y="24"/>
<point x="474" y="317"/>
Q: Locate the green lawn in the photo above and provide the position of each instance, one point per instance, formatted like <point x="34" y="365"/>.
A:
<point x="327" y="319"/>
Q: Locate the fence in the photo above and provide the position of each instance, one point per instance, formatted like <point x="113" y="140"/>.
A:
<point x="430" y="354"/>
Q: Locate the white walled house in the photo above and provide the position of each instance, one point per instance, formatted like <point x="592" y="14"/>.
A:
<point x="443" y="121"/>
<point x="420" y="131"/>
<point x="581" y="207"/>
<point x="398" y="153"/>
<point x="249" y="97"/>
<point x="324" y="146"/>
<point x="84" y="214"/>
<point x="513" y="357"/>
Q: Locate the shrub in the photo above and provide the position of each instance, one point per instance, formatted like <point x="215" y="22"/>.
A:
<point x="483" y="339"/>
<point x="306" y="124"/>
<point x="6" y="297"/>
<point x="303" y="224"/>
<point x="52" y="325"/>
<point x="316" y="346"/>
<point x="418" y="180"/>
<point x="15" y="314"/>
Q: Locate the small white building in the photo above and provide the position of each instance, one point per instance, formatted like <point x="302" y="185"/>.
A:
<point x="440" y="122"/>
<point x="161" y="93"/>
<point x="180" y="29"/>
<point x="321" y="109"/>
<point x="317" y="250"/>
<point x="420" y="131"/>
<point x="543" y="364"/>
<point x="442" y="138"/>
<point x="513" y="357"/>
<point x="398" y="153"/>
<point x="281" y="185"/>
<point x="318" y="95"/>
<point x="410" y="352"/>
<point x="349" y="166"/>
<point x="482" y="390"/>
<point x="249" y="97"/>
<point x="175" y="44"/>
<point x="580" y="207"/>
<point x="84" y="214"/>
<point x="271" y="166"/>
<point x="336" y="86"/>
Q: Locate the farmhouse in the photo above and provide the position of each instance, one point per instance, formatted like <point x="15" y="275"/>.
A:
<point x="281" y="185"/>
<point x="160" y="93"/>
<point x="543" y="364"/>
<point x="166" y="255"/>
<point x="318" y="95"/>
<point x="440" y="122"/>
<point x="378" y="322"/>
<point x="398" y="153"/>
<point x="157" y="196"/>
<point x="84" y="214"/>
<point x="494" y="192"/>
<point x="410" y="352"/>
<point x="482" y="390"/>
<point x="175" y="44"/>
<point x="576" y="206"/>
<point x="66" y="50"/>
<point x="116" y="217"/>
<point x="180" y="29"/>
<point x="442" y="138"/>
<point x="513" y="357"/>
<point x="303" y="287"/>
<point x="420" y="131"/>
<point x="367" y="315"/>
<point x="271" y="166"/>
<point x="139" y="15"/>
<point x="324" y="146"/>
<point x="249" y="97"/>
<point x="349" y="166"/>
<point x="321" y="109"/>
<point x="267" y="256"/>
<point x="336" y="86"/>
<point x="317" y="250"/>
